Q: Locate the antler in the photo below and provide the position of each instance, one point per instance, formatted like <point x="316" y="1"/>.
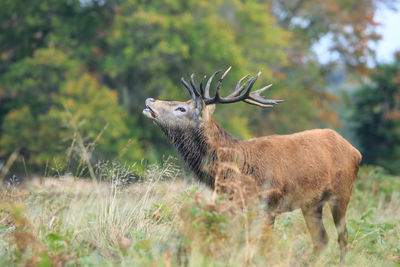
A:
<point x="242" y="92"/>
<point x="192" y="90"/>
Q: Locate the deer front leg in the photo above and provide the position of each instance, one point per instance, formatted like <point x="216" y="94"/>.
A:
<point x="273" y="198"/>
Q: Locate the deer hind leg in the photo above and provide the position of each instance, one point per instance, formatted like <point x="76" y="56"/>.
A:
<point x="315" y="225"/>
<point x="338" y="209"/>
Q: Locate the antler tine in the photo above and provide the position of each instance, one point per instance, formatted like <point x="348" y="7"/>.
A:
<point x="238" y="88"/>
<point x="255" y="96"/>
<point x="259" y="91"/>
<point x="240" y="81"/>
<point x="247" y="91"/>
<point x="256" y="99"/>
<point x="196" y="93"/>
<point x="188" y="88"/>
<point x="252" y="102"/>
<point x="216" y="97"/>
<point x="201" y="86"/>
<point x="207" y="89"/>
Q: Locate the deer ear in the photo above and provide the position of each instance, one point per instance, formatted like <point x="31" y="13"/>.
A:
<point x="202" y="108"/>
<point x="199" y="105"/>
<point x="211" y="108"/>
<point x="207" y="111"/>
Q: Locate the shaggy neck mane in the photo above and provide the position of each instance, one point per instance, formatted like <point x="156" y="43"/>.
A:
<point x="197" y="147"/>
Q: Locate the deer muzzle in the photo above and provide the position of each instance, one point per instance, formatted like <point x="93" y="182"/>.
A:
<point x="148" y="111"/>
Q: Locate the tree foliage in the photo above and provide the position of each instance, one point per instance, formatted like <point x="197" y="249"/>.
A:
<point x="57" y="103"/>
<point x="377" y="117"/>
<point x="349" y="25"/>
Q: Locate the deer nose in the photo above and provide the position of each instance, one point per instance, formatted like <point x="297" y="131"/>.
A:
<point x="149" y="100"/>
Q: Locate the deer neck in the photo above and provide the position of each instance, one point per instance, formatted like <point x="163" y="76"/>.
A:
<point x="198" y="148"/>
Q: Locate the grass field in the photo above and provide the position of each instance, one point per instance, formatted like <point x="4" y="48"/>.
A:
<point x="169" y="221"/>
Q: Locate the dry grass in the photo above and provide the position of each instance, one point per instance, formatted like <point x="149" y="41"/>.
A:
<point x="166" y="221"/>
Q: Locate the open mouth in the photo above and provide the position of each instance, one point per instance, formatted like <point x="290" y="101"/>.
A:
<point x="149" y="112"/>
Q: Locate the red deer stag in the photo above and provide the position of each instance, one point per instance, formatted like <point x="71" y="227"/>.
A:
<point x="302" y="170"/>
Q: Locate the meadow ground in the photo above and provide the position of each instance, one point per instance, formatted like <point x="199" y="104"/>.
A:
<point x="168" y="221"/>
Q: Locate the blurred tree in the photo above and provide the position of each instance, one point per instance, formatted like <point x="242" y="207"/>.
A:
<point x="57" y="102"/>
<point x="377" y="117"/>
<point x="348" y="27"/>
<point x="27" y="26"/>
<point x="347" y="30"/>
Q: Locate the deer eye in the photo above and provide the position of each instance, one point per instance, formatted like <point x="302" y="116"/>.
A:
<point x="181" y="109"/>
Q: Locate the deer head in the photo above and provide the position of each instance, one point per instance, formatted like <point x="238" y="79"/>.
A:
<point x="197" y="111"/>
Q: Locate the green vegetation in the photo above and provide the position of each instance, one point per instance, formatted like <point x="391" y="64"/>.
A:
<point x="177" y="222"/>
<point x="377" y="117"/>
<point x="42" y="124"/>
